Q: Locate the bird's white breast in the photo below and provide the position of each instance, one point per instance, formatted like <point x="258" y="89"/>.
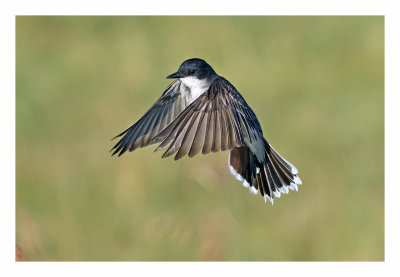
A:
<point x="196" y="86"/>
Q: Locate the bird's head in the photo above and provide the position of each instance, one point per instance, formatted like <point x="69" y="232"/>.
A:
<point x="194" y="69"/>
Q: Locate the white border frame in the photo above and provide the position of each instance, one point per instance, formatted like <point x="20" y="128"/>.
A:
<point x="207" y="7"/>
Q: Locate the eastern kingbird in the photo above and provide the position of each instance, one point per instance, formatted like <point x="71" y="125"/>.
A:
<point x="203" y="112"/>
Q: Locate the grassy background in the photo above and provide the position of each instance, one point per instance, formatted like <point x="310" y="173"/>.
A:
<point x="315" y="83"/>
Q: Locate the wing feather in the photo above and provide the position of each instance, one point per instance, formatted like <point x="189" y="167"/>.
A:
<point x="198" y="140"/>
<point x="180" y="131"/>
<point x="208" y="140"/>
<point x="217" y="133"/>
<point x="224" y="132"/>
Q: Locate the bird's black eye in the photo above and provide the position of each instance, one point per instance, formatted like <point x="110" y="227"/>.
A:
<point x="190" y="71"/>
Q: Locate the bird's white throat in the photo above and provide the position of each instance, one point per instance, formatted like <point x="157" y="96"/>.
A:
<point x="196" y="86"/>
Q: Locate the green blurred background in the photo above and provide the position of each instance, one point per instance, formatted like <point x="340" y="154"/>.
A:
<point x="315" y="83"/>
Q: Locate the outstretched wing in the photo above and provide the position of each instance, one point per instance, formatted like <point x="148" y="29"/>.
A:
<point x="217" y="120"/>
<point x="171" y="103"/>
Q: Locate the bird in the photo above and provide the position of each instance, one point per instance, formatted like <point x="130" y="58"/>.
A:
<point x="201" y="111"/>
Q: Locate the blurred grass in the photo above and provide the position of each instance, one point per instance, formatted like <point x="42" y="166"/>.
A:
<point x="315" y="83"/>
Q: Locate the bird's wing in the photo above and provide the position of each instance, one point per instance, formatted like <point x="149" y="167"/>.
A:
<point x="171" y="103"/>
<point x="217" y="120"/>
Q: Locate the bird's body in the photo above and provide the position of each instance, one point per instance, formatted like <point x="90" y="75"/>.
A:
<point x="203" y="112"/>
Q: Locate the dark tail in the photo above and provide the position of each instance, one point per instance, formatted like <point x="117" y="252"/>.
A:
<point x="271" y="177"/>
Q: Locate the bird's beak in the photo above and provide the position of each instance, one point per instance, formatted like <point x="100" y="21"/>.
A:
<point x="174" y="75"/>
